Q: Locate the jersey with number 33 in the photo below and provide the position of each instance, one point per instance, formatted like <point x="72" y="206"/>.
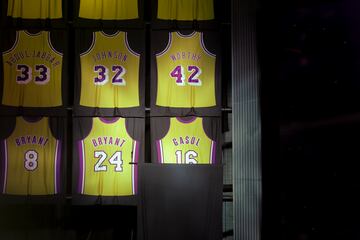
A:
<point x="32" y="72"/>
<point x="185" y="73"/>
<point x="109" y="73"/>
<point x="31" y="164"/>
<point x="106" y="160"/>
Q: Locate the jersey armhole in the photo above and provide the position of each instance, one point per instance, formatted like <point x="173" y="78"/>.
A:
<point x="207" y="134"/>
<point x="51" y="127"/>
<point x="204" y="47"/>
<point x="15" y="43"/>
<point x="167" y="46"/>
<point x="91" y="46"/>
<point x="128" y="46"/>
<point x="51" y="46"/>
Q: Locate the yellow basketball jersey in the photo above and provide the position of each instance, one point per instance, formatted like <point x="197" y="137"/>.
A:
<point x="32" y="159"/>
<point x="32" y="72"/>
<point x="185" y="73"/>
<point x="105" y="158"/>
<point x="35" y="9"/>
<point x="109" y="9"/>
<point x="110" y="73"/>
<point x="186" y="143"/>
<point x="185" y="10"/>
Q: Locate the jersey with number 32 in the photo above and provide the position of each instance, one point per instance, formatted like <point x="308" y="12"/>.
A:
<point x="110" y="73"/>
<point x="185" y="73"/>
<point x="106" y="159"/>
<point x="31" y="159"/>
<point x="32" y="72"/>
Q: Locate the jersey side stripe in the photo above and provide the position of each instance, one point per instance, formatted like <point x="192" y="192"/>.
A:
<point x="204" y="48"/>
<point x="159" y="151"/>
<point x="91" y="47"/>
<point x="81" y="167"/>
<point x="167" y="46"/>
<point x="134" y="167"/>
<point x="213" y="152"/>
<point x="5" y="166"/>
<point x="57" y="166"/>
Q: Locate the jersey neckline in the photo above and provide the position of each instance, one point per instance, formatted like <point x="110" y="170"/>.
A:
<point x="32" y="119"/>
<point x="186" y="121"/>
<point x="109" y="120"/>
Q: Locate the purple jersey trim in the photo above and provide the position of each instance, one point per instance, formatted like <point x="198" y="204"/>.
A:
<point x="182" y="120"/>
<point x="128" y="46"/>
<point x="3" y="157"/>
<point x="91" y="47"/>
<point x="5" y="167"/>
<point x="204" y="48"/>
<point x="32" y="119"/>
<point x="33" y="34"/>
<point x="81" y="167"/>
<point x="135" y="166"/>
<point x="186" y="36"/>
<point x="109" y="35"/>
<point x="15" y="43"/>
<point x="57" y="166"/>
<point x="167" y="46"/>
<point x="50" y="44"/>
<point x="109" y="120"/>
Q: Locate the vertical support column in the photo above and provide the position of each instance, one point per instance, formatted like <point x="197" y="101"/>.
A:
<point x="246" y="123"/>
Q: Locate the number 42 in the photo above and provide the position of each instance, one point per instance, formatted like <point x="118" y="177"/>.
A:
<point x="179" y="74"/>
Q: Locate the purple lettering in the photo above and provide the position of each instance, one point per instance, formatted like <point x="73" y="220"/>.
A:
<point x="94" y="142"/>
<point x="122" y="142"/>
<point x="175" y="142"/>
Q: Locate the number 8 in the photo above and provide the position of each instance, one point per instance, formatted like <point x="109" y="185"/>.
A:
<point x="30" y="161"/>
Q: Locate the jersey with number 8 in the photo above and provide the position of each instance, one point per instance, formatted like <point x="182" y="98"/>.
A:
<point x="186" y="73"/>
<point x="32" y="72"/>
<point x="105" y="158"/>
<point x="186" y="143"/>
<point x="109" y="73"/>
<point x="31" y="159"/>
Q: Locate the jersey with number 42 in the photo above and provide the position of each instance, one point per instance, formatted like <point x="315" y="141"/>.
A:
<point x="107" y="160"/>
<point x="185" y="73"/>
<point x="186" y="143"/>
<point x="110" y="73"/>
<point x="32" y="72"/>
<point x="31" y="159"/>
